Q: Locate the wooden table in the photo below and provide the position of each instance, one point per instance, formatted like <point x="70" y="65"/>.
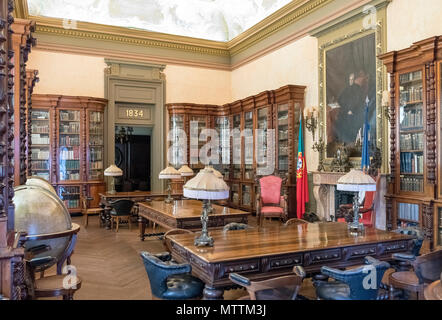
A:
<point x="137" y="196"/>
<point x="433" y="291"/>
<point x="185" y="214"/>
<point x="262" y="253"/>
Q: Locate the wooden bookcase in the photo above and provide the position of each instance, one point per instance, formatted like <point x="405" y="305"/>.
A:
<point x="67" y="146"/>
<point x="278" y="109"/>
<point x="414" y="194"/>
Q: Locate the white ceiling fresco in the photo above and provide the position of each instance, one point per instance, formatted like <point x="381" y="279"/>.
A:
<point x="219" y="20"/>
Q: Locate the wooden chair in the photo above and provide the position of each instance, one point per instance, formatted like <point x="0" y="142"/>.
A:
<point x="271" y="200"/>
<point x="166" y="241"/>
<point x="121" y="209"/>
<point x="426" y="269"/>
<point x="64" y="285"/>
<point x="281" y="288"/>
<point x="86" y="211"/>
<point x="295" y="221"/>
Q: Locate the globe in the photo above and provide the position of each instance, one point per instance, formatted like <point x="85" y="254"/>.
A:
<point x="40" y="182"/>
<point x="39" y="211"/>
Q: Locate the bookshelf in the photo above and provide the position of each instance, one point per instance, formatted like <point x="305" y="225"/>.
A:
<point x="278" y="109"/>
<point x="414" y="195"/>
<point x="67" y="146"/>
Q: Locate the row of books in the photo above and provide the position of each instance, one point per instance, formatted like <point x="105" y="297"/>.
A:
<point x="72" y="203"/>
<point x="44" y="175"/>
<point x="406" y="77"/>
<point x="67" y="191"/>
<point x="95" y="140"/>
<point x="407" y="224"/>
<point x="412" y="184"/>
<point x="70" y="115"/>
<point x="38" y="139"/>
<point x="38" y="128"/>
<point x="96" y="117"/>
<point x="411" y="94"/>
<point x="412" y="118"/>
<point x="71" y="128"/>
<point x="95" y="175"/>
<point x="412" y="162"/>
<point x="70" y="165"/>
<point x="98" y="165"/>
<point x="73" y="154"/>
<point x="69" y="141"/>
<point x="412" y="141"/>
<point x="40" y="115"/>
<point x="40" y="165"/>
<point x="69" y="176"/>
<point x="37" y="154"/>
<point x="408" y="211"/>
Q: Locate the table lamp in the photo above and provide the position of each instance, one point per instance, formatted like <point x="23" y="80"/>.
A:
<point x="356" y="181"/>
<point x="185" y="171"/>
<point x="169" y="173"/>
<point x="205" y="186"/>
<point x="113" y="171"/>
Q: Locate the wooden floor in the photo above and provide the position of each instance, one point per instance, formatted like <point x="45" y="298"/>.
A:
<point x="110" y="265"/>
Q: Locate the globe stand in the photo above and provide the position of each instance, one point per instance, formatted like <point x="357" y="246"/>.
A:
<point x="204" y="239"/>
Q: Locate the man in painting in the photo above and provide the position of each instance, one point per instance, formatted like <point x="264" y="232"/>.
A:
<point x="350" y="114"/>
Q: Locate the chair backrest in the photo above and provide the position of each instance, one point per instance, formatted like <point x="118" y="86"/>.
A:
<point x="235" y="226"/>
<point x="417" y="242"/>
<point x="270" y="189"/>
<point x="158" y="271"/>
<point x="428" y="266"/>
<point x="122" y="206"/>
<point x="364" y="282"/>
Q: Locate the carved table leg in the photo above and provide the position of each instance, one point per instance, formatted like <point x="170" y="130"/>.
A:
<point x="107" y="217"/>
<point x="142" y="227"/>
<point x="212" y="293"/>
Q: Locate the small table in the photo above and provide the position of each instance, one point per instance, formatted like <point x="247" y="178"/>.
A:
<point x="433" y="291"/>
<point x="136" y="196"/>
<point x="263" y="253"/>
<point x="185" y="214"/>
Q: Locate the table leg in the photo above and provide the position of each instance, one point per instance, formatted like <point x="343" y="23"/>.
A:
<point x="107" y="218"/>
<point x="142" y="227"/>
<point x="212" y="293"/>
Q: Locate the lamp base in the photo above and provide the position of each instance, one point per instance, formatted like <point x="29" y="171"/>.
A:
<point x="168" y="200"/>
<point x="112" y="191"/>
<point x="356" y="227"/>
<point x="204" y="241"/>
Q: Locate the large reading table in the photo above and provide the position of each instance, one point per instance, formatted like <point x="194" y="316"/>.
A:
<point x="262" y="253"/>
<point x="185" y="214"/>
<point x="107" y="197"/>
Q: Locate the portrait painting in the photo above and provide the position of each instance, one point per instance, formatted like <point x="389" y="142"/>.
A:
<point x="350" y="94"/>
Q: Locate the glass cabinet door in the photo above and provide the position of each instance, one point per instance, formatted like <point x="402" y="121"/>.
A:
<point x="200" y="123"/>
<point x="69" y="145"/>
<point x="407" y="214"/>
<point x="237" y="147"/>
<point x="234" y="194"/>
<point x="40" y="144"/>
<point x="246" y="195"/>
<point x="283" y="141"/>
<point x="261" y="137"/>
<point x="96" y="145"/>
<point x="176" y="125"/>
<point x="70" y="195"/>
<point x="411" y="129"/>
<point x="222" y="126"/>
<point x="248" y="145"/>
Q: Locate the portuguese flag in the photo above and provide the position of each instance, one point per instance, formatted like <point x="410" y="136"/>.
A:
<point x="301" y="176"/>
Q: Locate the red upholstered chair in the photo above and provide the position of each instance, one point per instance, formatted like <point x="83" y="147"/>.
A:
<point x="271" y="198"/>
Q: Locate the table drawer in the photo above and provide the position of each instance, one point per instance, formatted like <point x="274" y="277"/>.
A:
<point x="285" y="261"/>
<point x="319" y="257"/>
<point x="359" y="252"/>
<point x="245" y="266"/>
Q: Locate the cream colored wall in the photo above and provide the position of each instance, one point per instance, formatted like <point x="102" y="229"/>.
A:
<point x="68" y="74"/>
<point x="296" y="63"/>
<point x="197" y="85"/>
<point x="73" y="74"/>
<point x="409" y="21"/>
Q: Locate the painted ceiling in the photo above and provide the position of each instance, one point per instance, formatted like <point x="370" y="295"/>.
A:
<point x="219" y="20"/>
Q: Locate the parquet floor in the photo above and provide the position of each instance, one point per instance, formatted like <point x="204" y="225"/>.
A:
<point x="110" y="266"/>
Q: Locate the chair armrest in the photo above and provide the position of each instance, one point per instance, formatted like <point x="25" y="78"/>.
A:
<point x="239" y="279"/>
<point x="335" y="273"/>
<point x="37" y="262"/>
<point x="38" y="249"/>
<point x="404" y="257"/>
